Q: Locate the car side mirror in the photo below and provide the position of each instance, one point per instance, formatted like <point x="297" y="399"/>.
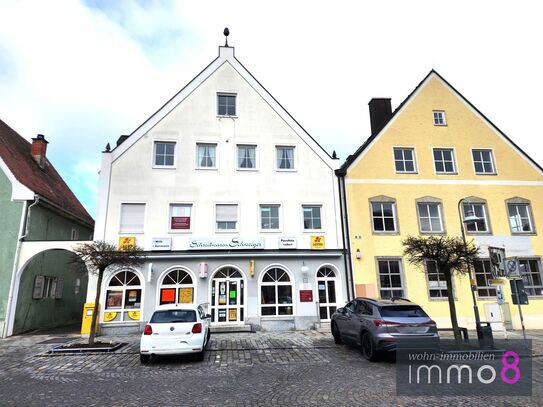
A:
<point x="341" y="310"/>
<point x="207" y="316"/>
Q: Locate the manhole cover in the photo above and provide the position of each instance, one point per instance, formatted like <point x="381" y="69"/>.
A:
<point x="56" y="340"/>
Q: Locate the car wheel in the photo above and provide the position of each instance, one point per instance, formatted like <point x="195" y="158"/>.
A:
<point x="145" y="358"/>
<point x="336" y="334"/>
<point x="368" y="347"/>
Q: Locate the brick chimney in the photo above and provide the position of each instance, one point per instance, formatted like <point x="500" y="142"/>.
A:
<point x="38" y="149"/>
<point x="380" y="113"/>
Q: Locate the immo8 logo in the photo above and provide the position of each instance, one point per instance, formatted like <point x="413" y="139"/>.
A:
<point x="486" y="374"/>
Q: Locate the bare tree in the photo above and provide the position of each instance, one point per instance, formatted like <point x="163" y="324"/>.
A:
<point x="100" y="255"/>
<point x="450" y="254"/>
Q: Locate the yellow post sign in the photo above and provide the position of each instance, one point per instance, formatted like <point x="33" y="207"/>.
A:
<point x="126" y="243"/>
<point x="317" y="242"/>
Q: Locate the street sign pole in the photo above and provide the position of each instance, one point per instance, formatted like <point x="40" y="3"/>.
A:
<point x="520" y="312"/>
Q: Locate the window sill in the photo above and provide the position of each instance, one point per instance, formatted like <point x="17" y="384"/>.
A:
<point x="523" y="234"/>
<point x="486" y="173"/>
<point x="207" y="168"/>
<point x="379" y="233"/>
<point x="286" y="170"/>
<point x="447" y="173"/>
<point x="247" y="169"/>
<point x="309" y="231"/>
<point x="268" y="231"/>
<point x="223" y="232"/>
<point x="164" y="167"/>
<point x="407" y="172"/>
<point x="442" y="233"/>
<point x="440" y="125"/>
<point x="227" y="116"/>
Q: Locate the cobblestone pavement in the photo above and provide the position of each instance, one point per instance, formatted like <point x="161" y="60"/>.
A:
<point x="249" y="369"/>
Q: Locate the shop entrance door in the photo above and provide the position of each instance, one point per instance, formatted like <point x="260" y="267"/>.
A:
<point x="326" y="284"/>
<point x="227" y="297"/>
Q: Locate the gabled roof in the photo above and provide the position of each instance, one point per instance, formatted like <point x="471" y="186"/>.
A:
<point x="46" y="182"/>
<point x="353" y="157"/>
<point x="226" y="55"/>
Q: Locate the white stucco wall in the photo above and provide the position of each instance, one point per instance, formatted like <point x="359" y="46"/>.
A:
<point x="195" y="120"/>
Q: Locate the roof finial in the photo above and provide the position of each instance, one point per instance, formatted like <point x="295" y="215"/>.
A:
<point x="226" y="33"/>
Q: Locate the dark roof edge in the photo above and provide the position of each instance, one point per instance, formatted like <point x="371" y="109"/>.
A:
<point x="70" y="214"/>
<point x="490" y="122"/>
<point x="285" y="110"/>
<point x="342" y="171"/>
<point x="169" y="100"/>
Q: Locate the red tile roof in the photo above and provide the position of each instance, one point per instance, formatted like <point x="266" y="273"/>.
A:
<point x="15" y="151"/>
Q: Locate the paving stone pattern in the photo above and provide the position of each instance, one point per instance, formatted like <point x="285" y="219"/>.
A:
<point x="249" y="369"/>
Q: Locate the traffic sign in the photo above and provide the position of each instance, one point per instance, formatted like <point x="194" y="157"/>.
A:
<point x="512" y="268"/>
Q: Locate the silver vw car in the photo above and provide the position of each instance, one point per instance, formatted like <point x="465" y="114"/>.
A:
<point x="378" y="325"/>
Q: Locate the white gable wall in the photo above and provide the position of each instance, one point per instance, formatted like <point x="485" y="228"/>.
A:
<point x="194" y="120"/>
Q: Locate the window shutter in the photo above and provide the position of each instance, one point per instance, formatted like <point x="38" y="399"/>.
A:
<point x="38" y="287"/>
<point x="227" y="213"/>
<point x="59" y="288"/>
<point x="132" y="217"/>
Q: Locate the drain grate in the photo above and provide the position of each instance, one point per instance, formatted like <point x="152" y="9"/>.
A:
<point x="56" y="340"/>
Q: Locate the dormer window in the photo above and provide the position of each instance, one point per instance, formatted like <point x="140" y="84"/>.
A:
<point x="439" y="118"/>
<point x="226" y="104"/>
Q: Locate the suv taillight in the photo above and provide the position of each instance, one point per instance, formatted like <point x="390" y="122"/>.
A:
<point x="197" y="328"/>
<point x="380" y="322"/>
<point x="430" y="323"/>
<point x="148" y="330"/>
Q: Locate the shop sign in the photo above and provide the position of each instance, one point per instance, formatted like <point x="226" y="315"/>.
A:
<point x="127" y="243"/>
<point x="161" y="243"/>
<point x="306" y="295"/>
<point x="225" y="243"/>
<point x="287" y="243"/>
<point x="317" y="242"/>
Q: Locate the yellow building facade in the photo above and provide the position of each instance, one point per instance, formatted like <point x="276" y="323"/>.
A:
<point x="429" y="165"/>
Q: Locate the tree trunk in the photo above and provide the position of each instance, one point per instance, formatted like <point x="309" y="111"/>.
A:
<point x="96" y="306"/>
<point x="452" y="307"/>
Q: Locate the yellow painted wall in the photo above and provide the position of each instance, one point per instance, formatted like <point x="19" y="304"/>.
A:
<point x="373" y="174"/>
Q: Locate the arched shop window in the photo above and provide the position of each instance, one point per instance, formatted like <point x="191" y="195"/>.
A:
<point x="276" y="293"/>
<point x="177" y="287"/>
<point x="123" y="298"/>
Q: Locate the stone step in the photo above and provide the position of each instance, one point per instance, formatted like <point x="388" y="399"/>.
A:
<point x="323" y="327"/>
<point x="219" y="329"/>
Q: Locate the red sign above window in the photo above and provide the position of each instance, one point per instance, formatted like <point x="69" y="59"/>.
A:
<point x="180" y="222"/>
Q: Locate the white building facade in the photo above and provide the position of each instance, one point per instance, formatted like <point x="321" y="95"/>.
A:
<point x="235" y="205"/>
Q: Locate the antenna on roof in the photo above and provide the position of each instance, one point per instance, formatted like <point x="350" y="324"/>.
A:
<point x="226" y="33"/>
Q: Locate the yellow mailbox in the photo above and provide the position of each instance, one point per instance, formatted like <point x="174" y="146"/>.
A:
<point x="86" y="321"/>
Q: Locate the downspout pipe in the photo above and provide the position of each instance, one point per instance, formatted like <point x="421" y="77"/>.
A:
<point x="345" y="233"/>
<point x="23" y="228"/>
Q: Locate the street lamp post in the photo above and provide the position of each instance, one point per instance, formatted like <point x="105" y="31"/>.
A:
<point x="473" y="286"/>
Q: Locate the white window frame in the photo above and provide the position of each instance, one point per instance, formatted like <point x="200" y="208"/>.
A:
<point x="485" y="213"/>
<point x="415" y="171"/>
<point x="180" y="231"/>
<point x="492" y="161"/>
<point x="453" y="157"/>
<point x="402" y="279"/>
<point x="291" y="283"/>
<point x="487" y="274"/>
<point x="236" y="230"/>
<point x="440" y="213"/>
<point x="211" y="144"/>
<point x="439" y="280"/>
<point x="394" y="217"/>
<point x="530" y="217"/>
<point x="294" y="158"/>
<point x="158" y="166"/>
<point x="306" y="205"/>
<point x="530" y="288"/>
<point x="279" y="216"/>
<point x="230" y="94"/>
<point x="123" y="288"/>
<point x="440" y="115"/>
<point x="177" y="286"/>
<point x="255" y="146"/>
<point x="134" y="231"/>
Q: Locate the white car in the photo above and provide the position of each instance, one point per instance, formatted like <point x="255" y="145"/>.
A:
<point x="175" y="330"/>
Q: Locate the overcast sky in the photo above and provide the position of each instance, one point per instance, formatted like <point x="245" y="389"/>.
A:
<point x="84" y="72"/>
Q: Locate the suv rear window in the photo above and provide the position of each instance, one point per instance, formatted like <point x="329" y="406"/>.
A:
<point x="171" y="316"/>
<point x="402" y="311"/>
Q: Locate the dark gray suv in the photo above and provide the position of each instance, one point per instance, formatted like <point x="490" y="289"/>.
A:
<point x="378" y="325"/>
